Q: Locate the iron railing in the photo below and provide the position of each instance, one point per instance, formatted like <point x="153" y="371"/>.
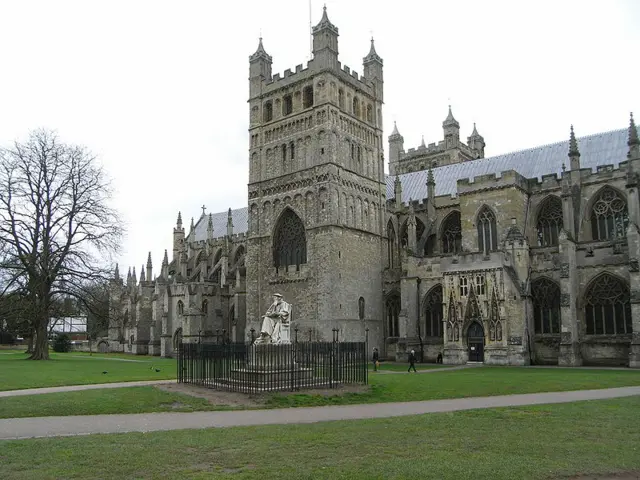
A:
<point x="249" y="368"/>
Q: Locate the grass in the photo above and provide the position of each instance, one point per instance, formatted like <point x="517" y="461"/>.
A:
<point x="539" y="442"/>
<point x="16" y="372"/>
<point x="471" y="382"/>
<point x="102" y="401"/>
<point x="403" y="367"/>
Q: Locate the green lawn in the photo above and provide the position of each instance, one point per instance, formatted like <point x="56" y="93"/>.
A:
<point x="16" y="372"/>
<point x="541" y="442"/>
<point x="403" y="367"/>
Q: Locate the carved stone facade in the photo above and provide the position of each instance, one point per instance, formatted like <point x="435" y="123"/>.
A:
<point x="534" y="262"/>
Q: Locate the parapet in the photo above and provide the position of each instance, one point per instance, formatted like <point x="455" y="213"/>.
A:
<point x="491" y="181"/>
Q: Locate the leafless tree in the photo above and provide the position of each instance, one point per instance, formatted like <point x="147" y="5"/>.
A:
<point x="57" y="229"/>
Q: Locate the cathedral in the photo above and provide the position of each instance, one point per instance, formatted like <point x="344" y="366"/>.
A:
<point x="529" y="257"/>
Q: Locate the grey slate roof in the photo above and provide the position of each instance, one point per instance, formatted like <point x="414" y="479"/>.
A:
<point x="239" y="217"/>
<point x="599" y="149"/>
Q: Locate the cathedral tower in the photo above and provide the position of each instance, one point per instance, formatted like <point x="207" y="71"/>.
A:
<point x="316" y="190"/>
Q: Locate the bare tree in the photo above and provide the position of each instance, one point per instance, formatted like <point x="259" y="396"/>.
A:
<point x="57" y="229"/>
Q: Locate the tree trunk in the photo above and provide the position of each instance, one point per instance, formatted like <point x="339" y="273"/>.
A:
<point x="30" y="344"/>
<point x="41" y="351"/>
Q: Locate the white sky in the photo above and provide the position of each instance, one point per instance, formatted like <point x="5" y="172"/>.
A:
<point x="158" y="89"/>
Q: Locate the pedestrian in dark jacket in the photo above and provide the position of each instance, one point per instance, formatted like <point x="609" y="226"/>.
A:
<point x="412" y="361"/>
<point x="376" y="357"/>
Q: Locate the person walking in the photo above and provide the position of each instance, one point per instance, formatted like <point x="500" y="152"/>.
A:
<point x="412" y="361"/>
<point x="376" y="357"/>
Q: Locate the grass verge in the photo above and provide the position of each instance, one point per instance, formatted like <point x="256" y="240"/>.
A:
<point x="539" y="442"/>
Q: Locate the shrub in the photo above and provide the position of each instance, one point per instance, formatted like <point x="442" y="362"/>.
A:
<point x="62" y="343"/>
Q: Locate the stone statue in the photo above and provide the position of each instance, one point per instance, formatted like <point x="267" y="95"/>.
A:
<point x="275" y="323"/>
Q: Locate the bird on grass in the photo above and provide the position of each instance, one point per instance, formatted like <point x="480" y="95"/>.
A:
<point x="105" y="372"/>
<point x="156" y="369"/>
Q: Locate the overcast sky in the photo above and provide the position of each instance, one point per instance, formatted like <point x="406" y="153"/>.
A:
<point x="158" y="89"/>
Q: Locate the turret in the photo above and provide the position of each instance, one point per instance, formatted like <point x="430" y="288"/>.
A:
<point x="396" y="147"/>
<point x="259" y="69"/>
<point x="325" y="43"/>
<point x="178" y="237"/>
<point x="451" y="129"/>
<point x="476" y="142"/>
<point x="149" y="268"/>
<point x="165" y="266"/>
<point x="372" y="65"/>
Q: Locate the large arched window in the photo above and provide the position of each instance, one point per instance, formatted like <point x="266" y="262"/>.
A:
<point x="546" y="306"/>
<point x="405" y="232"/>
<point x="549" y="221"/>
<point x="487" y="230"/>
<point x="433" y="312"/>
<point x="391" y="245"/>
<point x="609" y="216"/>
<point x="607" y="309"/>
<point x="289" y="241"/>
<point x="452" y="233"/>
<point x="307" y="97"/>
<point x="393" y="315"/>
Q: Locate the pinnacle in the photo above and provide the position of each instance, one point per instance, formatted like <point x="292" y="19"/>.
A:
<point x="165" y="260"/>
<point x="633" y="132"/>
<point x="149" y="260"/>
<point x="450" y="120"/>
<point x="475" y="131"/>
<point x="573" y="145"/>
<point x="395" y="129"/>
<point x="179" y="221"/>
<point x="422" y="144"/>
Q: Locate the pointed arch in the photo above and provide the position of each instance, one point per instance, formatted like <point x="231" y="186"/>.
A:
<point x="404" y="232"/>
<point x="550" y="221"/>
<point x="392" y="246"/>
<point x="180" y="307"/>
<point x="487" y="230"/>
<point x="545" y="295"/>
<point x="289" y="240"/>
<point x="432" y="306"/>
<point x="177" y="338"/>
<point x="238" y="255"/>
<point x="392" y="314"/>
<point x="607" y="306"/>
<point x="609" y="215"/>
<point x="451" y="233"/>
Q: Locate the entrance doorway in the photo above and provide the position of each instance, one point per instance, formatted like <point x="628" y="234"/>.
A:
<point x="475" y="342"/>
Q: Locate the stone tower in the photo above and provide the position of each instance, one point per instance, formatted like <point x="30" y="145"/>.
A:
<point x="316" y="191"/>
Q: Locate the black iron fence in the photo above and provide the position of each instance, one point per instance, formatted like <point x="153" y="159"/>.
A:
<point x="248" y="368"/>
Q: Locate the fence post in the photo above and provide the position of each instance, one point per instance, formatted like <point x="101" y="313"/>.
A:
<point x="366" y="356"/>
<point x="253" y="335"/>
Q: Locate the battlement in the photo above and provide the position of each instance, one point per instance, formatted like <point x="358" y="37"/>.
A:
<point x="507" y="178"/>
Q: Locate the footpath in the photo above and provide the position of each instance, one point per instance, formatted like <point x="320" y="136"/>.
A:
<point x="20" y="428"/>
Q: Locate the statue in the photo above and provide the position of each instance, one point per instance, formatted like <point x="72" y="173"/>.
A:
<point x="275" y="323"/>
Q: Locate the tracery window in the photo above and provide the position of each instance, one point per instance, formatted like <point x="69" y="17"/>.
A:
<point x="480" y="284"/>
<point x="487" y="231"/>
<point x="405" y="232"/>
<point x="433" y="312"/>
<point x="549" y="222"/>
<point x="464" y="286"/>
<point x="546" y="306"/>
<point x="608" y="307"/>
<point x="393" y="315"/>
<point x="452" y="233"/>
<point x="290" y="241"/>
<point x="609" y="215"/>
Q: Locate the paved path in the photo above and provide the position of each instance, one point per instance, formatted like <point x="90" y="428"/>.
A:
<point x="18" y="428"/>
<point x="75" y="388"/>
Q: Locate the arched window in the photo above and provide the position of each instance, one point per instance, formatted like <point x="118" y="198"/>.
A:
<point x="180" y="307"/>
<point x="341" y="98"/>
<point x="205" y="306"/>
<point x="405" y="232"/>
<point x="268" y="111"/>
<point x="452" y="233"/>
<point x="393" y="315"/>
<point x="546" y="306"/>
<point x="177" y="339"/>
<point x="287" y="105"/>
<point x="433" y="312"/>
<point x="391" y="244"/>
<point x="356" y="107"/>
<point x="126" y="317"/>
<point x="361" y="308"/>
<point x="549" y="222"/>
<point x="369" y="113"/>
<point x="609" y="216"/>
<point x="307" y="97"/>
<point x="238" y="255"/>
<point x="487" y="231"/>
<point x="607" y="307"/>
<point x="290" y="241"/>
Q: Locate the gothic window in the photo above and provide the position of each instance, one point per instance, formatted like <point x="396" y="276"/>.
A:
<point x="464" y="286"/>
<point x="452" y="234"/>
<point x="292" y="150"/>
<point x="361" y="308"/>
<point x="268" y="111"/>
<point x="238" y="255"/>
<point x="607" y="307"/>
<point x="480" y="283"/>
<point x="180" y="307"/>
<point x="287" y="105"/>
<point x="290" y="241"/>
<point x="369" y="114"/>
<point x="487" y="230"/>
<point x="546" y="306"/>
<point x="356" y="107"/>
<point x="126" y="317"/>
<point x="433" y="312"/>
<point x="307" y="97"/>
<point x="341" y="98"/>
<point x="405" y="232"/>
<point x="391" y="244"/>
<point x="549" y="222"/>
<point x="205" y="306"/>
<point x="284" y="157"/>
<point x="609" y="216"/>
<point x="393" y="315"/>
<point x="177" y="339"/>
<point x="430" y="246"/>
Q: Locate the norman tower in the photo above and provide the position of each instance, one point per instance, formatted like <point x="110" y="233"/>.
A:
<point x="316" y="190"/>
